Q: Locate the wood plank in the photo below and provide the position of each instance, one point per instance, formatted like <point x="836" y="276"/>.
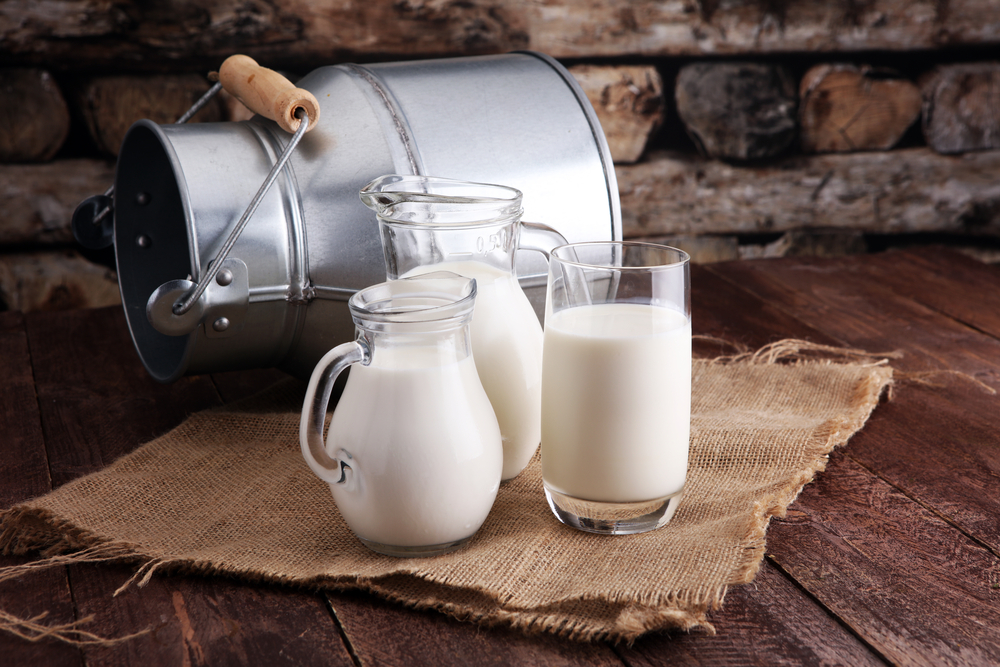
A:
<point x="722" y="310"/>
<point x="721" y="301"/>
<point x="767" y="622"/>
<point x="881" y="592"/>
<point x="95" y="33"/>
<point x="836" y="296"/>
<point x="905" y="581"/>
<point x="948" y="282"/>
<point x="900" y="191"/>
<point x="383" y="634"/>
<point x="24" y="474"/>
<point x="947" y="463"/>
<point x="97" y="403"/>
<point x="97" y="400"/>
<point x="25" y="470"/>
<point x="206" y="621"/>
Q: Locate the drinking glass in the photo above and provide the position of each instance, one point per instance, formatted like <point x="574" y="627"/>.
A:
<point x="616" y="385"/>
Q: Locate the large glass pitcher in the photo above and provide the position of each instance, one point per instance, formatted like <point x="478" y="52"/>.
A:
<point x="475" y="230"/>
<point x="413" y="454"/>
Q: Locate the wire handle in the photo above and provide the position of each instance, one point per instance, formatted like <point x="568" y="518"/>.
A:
<point x="184" y="303"/>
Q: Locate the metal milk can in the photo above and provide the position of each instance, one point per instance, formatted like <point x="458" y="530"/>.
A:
<point x="279" y="296"/>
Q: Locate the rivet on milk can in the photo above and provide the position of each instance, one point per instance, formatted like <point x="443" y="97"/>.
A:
<point x="518" y="120"/>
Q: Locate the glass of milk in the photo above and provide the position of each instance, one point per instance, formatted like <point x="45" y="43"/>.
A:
<point x="413" y="455"/>
<point x="475" y="229"/>
<point x="616" y="385"/>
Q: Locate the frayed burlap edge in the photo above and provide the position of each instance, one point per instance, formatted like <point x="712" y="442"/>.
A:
<point x="568" y="618"/>
<point x="24" y="530"/>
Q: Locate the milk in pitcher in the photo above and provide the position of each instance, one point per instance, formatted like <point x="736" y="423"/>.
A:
<point x="413" y="453"/>
<point x="425" y="485"/>
<point x="475" y="229"/>
<point x="507" y="346"/>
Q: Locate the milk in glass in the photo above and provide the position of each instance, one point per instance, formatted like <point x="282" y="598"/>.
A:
<point x="616" y="402"/>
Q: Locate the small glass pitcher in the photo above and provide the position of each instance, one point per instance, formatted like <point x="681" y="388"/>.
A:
<point x="413" y="456"/>
<point x="475" y="230"/>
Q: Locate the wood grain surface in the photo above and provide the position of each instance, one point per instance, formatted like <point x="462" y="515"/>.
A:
<point x="34" y="118"/>
<point x="57" y="279"/>
<point x="388" y="635"/>
<point x="167" y="34"/>
<point x="905" y="191"/>
<point x="39" y="199"/>
<point x="109" y="105"/>
<point x="737" y="110"/>
<point x="890" y="556"/>
<point x="767" y="622"/>
<point x="901" y="191"/>
<point x="885" y="538"/>
<point x="846" y="108"/>
<point x="24" y="474"/>
<point x="909" y="584"/>
<point x="629" y="103"/>
<point x="959" y="110"/>
<point x="97" y="403"/>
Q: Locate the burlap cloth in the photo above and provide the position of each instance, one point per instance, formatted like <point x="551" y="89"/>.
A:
<point x="227" y="492"/>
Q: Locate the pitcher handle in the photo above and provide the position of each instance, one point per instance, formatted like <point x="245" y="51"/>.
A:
<point x="545" y="239"/>
<point x="330" y="469"/>
<point x="539" y="237"/>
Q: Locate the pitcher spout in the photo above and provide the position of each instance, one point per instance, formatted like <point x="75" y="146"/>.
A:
<point x="428" y="200"/>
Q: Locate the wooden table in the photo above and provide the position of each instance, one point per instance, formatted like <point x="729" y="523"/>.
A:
<point x="892" y="555"/>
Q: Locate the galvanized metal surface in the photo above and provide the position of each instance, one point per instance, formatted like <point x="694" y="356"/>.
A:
<point x="516" y="119"/>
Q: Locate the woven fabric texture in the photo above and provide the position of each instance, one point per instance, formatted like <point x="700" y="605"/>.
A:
<point x="227" y="492"/>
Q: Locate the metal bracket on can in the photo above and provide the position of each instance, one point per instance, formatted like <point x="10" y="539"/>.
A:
<point x="222" y="307"/>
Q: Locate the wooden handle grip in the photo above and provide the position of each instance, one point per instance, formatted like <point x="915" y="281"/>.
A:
<point x="266" y="92"/>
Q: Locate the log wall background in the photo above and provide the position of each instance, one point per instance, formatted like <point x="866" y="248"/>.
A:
<point x="739" y="128"/>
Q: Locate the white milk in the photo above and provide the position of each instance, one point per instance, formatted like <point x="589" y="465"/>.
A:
<point x="424" y="450"/>
<point x="616" y="402"/>
<point x="507" y="346"/>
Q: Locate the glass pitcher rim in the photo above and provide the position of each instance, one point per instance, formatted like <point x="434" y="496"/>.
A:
<point x="454" y="300"/>
<point x="683" y="258"/>
<point x="379" y="196"/>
